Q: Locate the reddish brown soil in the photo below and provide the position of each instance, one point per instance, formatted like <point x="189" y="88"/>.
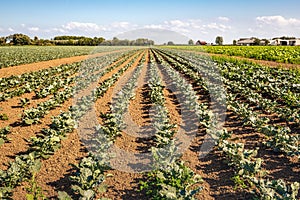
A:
<point x="20" y="134"/>
<point x="122" y="185"/>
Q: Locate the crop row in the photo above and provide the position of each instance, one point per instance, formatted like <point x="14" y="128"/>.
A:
<point x="279" y="139"/>
<point x="271" y="53"/>
<point x="251" y="86"/>
<point x="33" y="115"/>
<point x="247" y="168"/>
<point x="270" y="82"/>
<point x="17" y="81"/>
<point x="13" y="56"/>
<point x="91" y="171"/>
<point x="170" y="178"/>
<point x="43" y="146"/>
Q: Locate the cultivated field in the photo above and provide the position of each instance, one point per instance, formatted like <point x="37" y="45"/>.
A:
<point x="281" y="54"/>
<point x="149" y="123"/>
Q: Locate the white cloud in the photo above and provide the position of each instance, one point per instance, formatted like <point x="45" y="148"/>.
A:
<point x="177" y="23"/>
<point x="120" y="27"/>
<point x="60" y="30"/>
<point x="204" y="32"/>
<point x="195" y="23"/>
<point x="34" y="29"/>
<point x="277" y="20"/>
<point x="183" y="31"/>
<point x="180" y="26"/>
<point x="154" y="26"/>
<point x="275" y="26"/>
<point x="250" y="30"/>
<point x="204" y="29"/>
<point x="216" y="26"/>
<point x="196" y="28"/>
<point x="190" y="26"/>
<point x="124" y="25"/>
<point x="225" y="19"/>
<point x="190" y="23"/>
<point x="79" y="26"/>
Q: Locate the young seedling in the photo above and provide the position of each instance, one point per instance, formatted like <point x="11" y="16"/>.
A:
<point x="3" y="116"/>
<point x="24" y="102"/>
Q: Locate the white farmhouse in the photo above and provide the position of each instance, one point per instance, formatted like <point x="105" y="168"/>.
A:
<point x="285" y="41"/>
<point x="246" y="41"/>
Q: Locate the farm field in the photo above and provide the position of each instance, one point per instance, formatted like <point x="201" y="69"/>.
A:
<point x="151" y="123"/>
<point x="281" y="54"/>
<point x="18" y="55"/>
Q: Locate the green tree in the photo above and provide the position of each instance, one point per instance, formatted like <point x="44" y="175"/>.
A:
<point x="140" y="42"/>
<point x="256" y="41"/>
<point x="234" y="42"/>
<point x="219" y="40"/>
<point x="115" y="41"/>
<point x="97" y="41"/>
<point x="2" y="40"/>
<point x="151" y="42"/>
<point x="170" y="43"/>
<point x="106" y="43"/>
<point x="36" y="40"/>
<point x="265" y="42"/>
<point x="191" y="42"/>
<point x="21" y="39"/>
<point x="126" y="42"/>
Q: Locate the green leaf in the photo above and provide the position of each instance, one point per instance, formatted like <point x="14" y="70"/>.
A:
<point x="3" y="116"/>
<point x="29" y="121"/>
<point x="102" y="188"/>
<point x="169" y="192"/>
<point x="63" y="196"/>
<point x="88" y="194"/>
<point x="29" y="197"/>
<point x="2" y="141"/>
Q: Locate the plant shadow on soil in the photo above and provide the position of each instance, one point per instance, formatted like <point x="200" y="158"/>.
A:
<point x="277" y="164"/>
<point x="134" y="193"/>
<point x="218" y="174"/>
<point x="64" y="183"/>
<point x="146" y="114"/>
<point x="222" y="187"/>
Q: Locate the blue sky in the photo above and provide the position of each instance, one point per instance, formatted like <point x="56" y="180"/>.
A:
<point x="195" y="19"/>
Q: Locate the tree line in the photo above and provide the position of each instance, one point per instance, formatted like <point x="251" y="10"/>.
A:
<point x="21" y="39"/>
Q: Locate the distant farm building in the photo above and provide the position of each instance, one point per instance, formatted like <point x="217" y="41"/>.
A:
<point x="282" y="41"/>
<point x="285" y="41"/>
<point x="246" y="41"/>
<point x="201" y="42"/>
